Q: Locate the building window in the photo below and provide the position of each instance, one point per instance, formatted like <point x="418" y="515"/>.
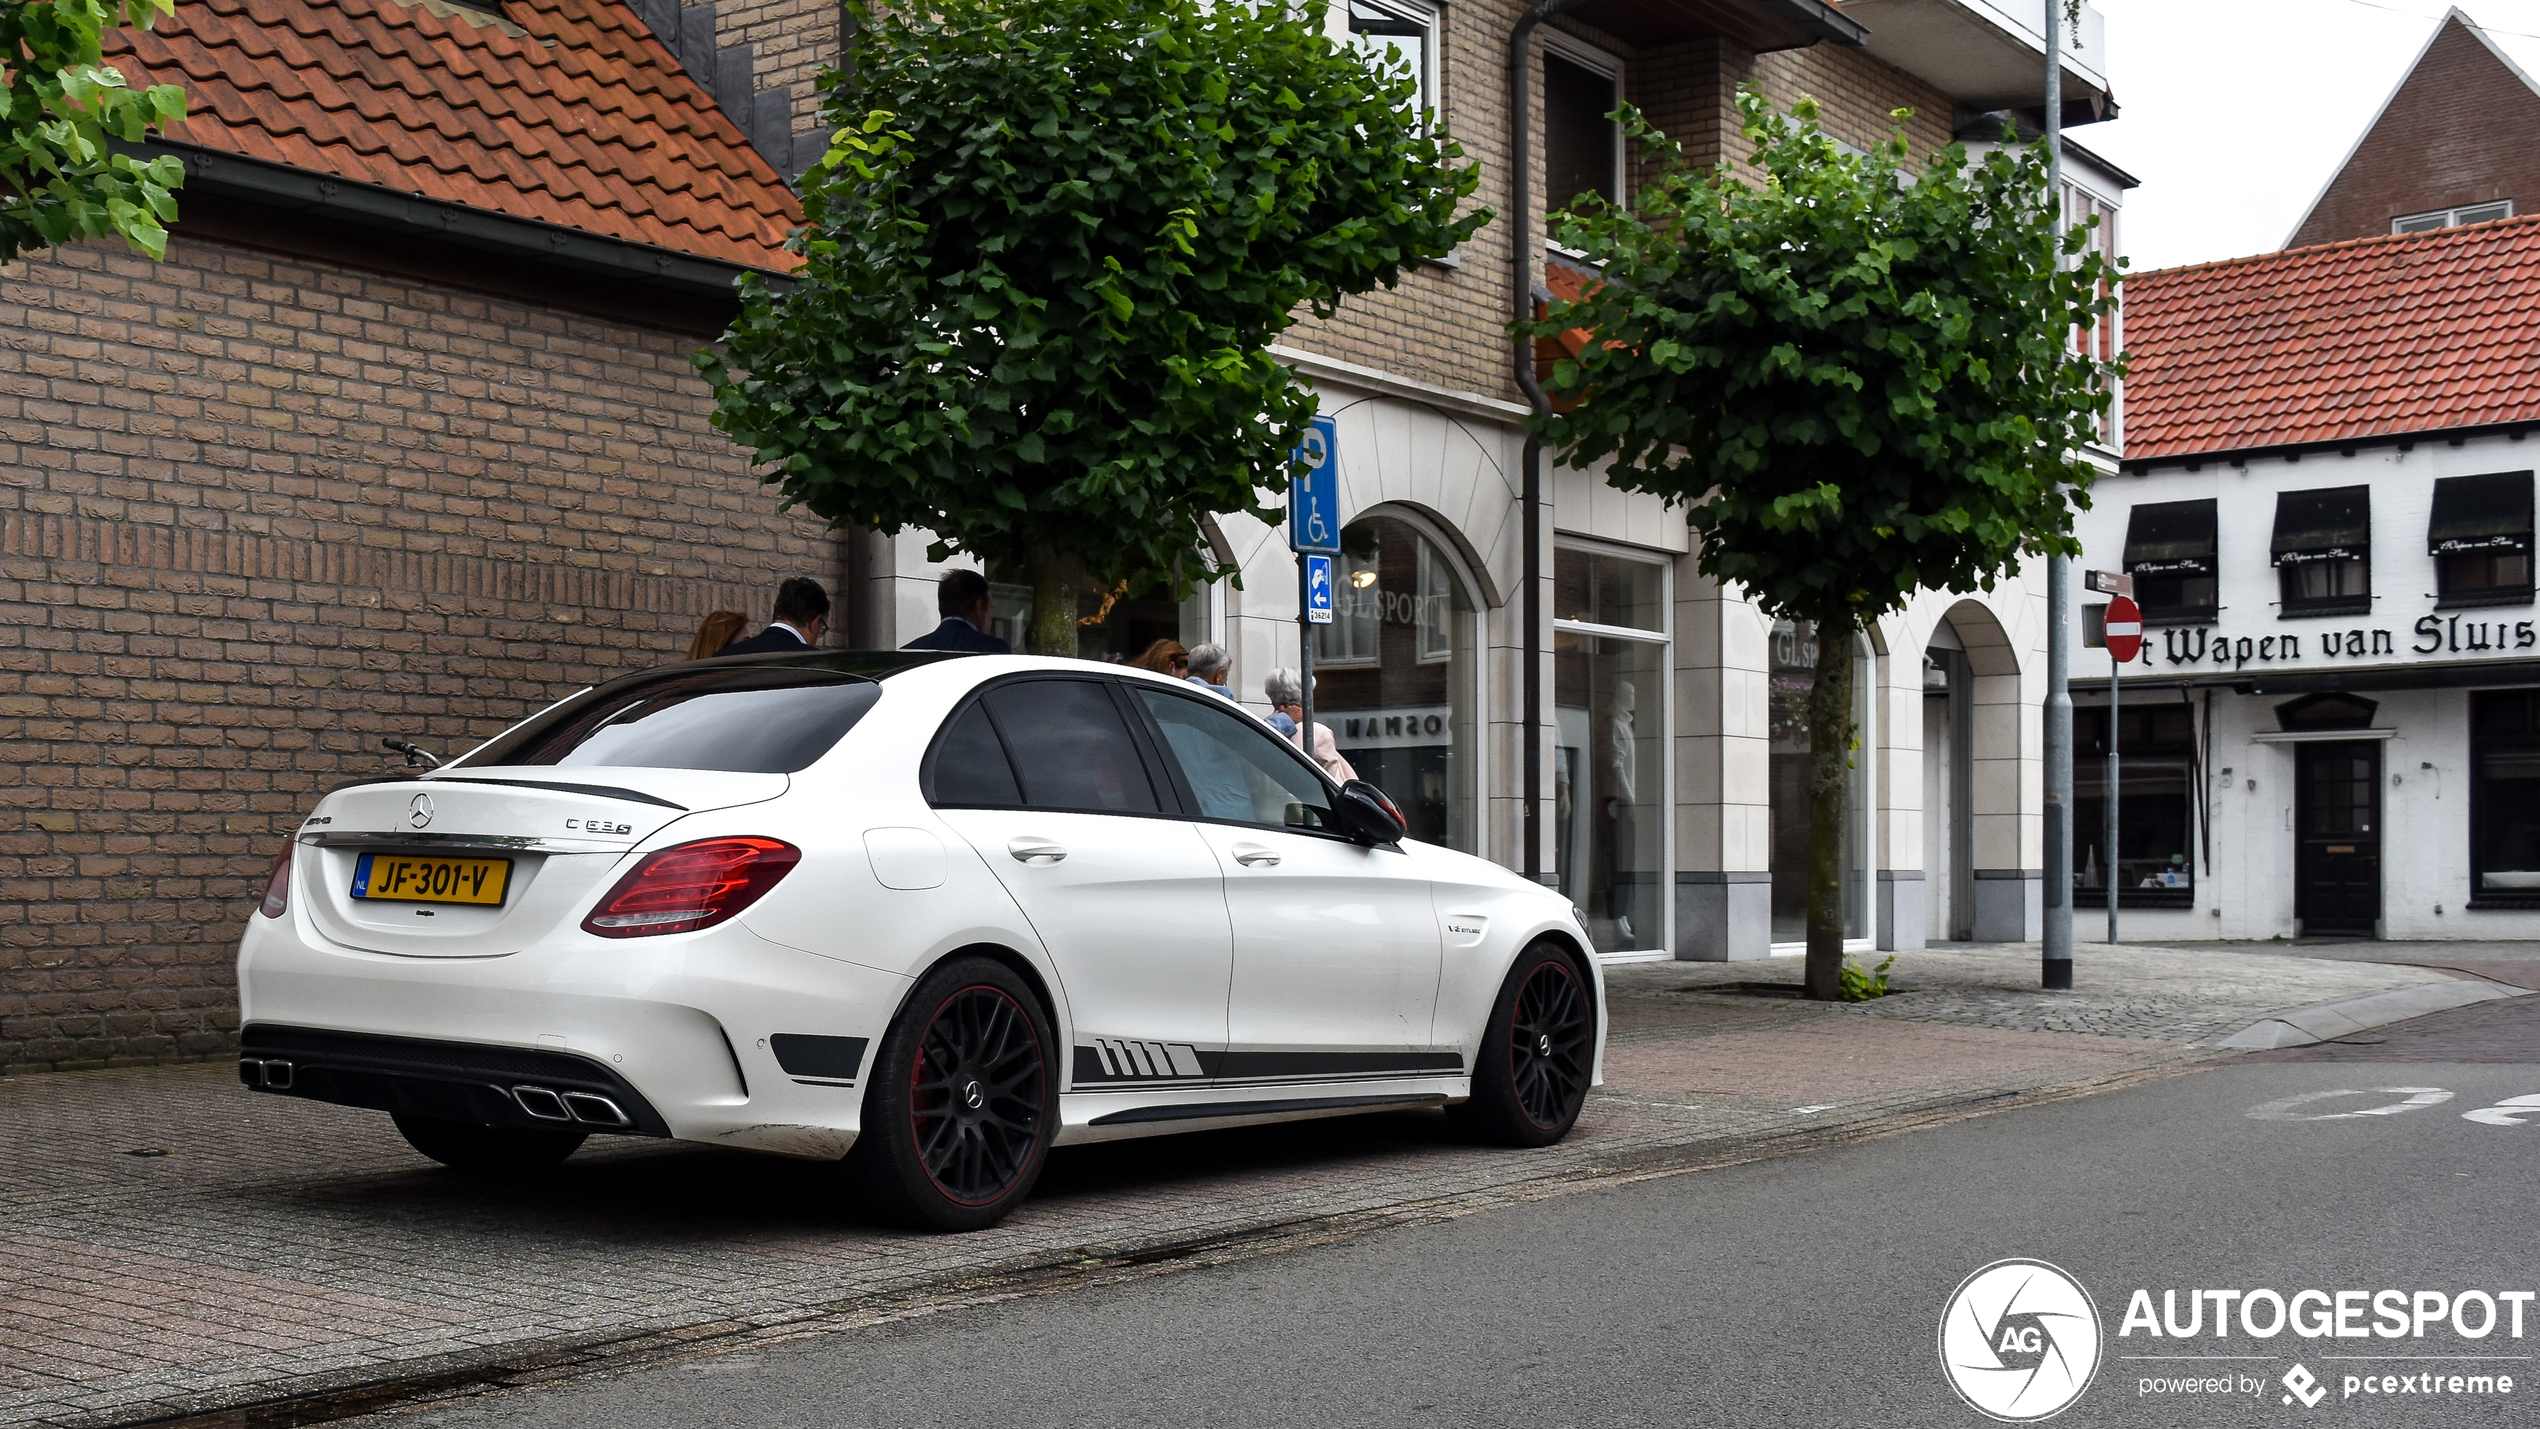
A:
<point x="2169" y="550"/>
<point x="2453" y="217"/>
<point x="2481" y="539"/>
<point x="2323" y="551"/>
<point x="2504" y="798"/>
<point x="2155" y="866"/>
<point x="1609" y="692"/>
<point x="1794" y="676"/>
<point x="1394" y="35"/>
<point x="1394" y="676"/>
<point x="1582" y="147"/>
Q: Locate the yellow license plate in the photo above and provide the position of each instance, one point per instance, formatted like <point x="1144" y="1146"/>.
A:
<point x="420" y="878"/>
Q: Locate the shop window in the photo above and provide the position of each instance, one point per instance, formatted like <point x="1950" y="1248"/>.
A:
<point x="2504" y="799"/>
<point x="2155" y="865"/>
<point x="1394" y="676"/>
<point x="1794" y="676"/>
<point x="1395" y="36"/>
<point x="2323" y="551"/>
<point x="2480" y="536"/>
<point x="2169" y="550"/>
<point x="1582" y="148"/>
<point x="1595" y="589"/>
<point x="1609" y="775"/>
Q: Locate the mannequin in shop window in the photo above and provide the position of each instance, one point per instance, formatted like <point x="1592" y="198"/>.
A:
<point x="1621" y="755"/>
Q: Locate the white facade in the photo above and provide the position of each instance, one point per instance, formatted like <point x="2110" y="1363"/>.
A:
<point x="2423" y="651"/>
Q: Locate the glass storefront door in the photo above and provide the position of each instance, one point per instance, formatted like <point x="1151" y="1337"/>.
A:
<point x="1794" y="675"/>
<point x="1609" y="686"/>
<point x="1394" y="677"/>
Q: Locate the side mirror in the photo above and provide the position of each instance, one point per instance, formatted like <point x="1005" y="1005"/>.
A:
<point x="1367" y="815"/>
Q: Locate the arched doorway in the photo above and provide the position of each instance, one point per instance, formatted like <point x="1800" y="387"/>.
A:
<point x="1971" y="696"/>
<point x="1397" y="672"/>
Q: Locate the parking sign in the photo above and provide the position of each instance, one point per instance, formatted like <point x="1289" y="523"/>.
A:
<point x="1314" y="491"/>
<point x="1318" y="590"/>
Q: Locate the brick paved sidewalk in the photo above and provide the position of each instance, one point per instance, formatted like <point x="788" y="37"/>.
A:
<point x="177" y="1245"/>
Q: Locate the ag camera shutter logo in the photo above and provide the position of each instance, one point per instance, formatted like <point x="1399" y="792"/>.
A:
<point x="2019" y="1341"/>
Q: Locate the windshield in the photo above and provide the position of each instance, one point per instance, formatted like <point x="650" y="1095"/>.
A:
<point x="754" y="721"/>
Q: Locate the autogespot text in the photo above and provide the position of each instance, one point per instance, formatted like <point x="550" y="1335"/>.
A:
<point x="2414" y="1343"/>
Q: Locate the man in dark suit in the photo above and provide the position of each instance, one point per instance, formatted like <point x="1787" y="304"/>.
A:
<point x="962" y="600"/>
<point x="802" y="612"/>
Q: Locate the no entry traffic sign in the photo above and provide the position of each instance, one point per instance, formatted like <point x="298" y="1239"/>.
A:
<point x="2125" y="630"/>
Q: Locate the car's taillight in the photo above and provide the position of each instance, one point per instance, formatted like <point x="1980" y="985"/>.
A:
<point x="698" y="885"/>
<point x="278" y="885"/>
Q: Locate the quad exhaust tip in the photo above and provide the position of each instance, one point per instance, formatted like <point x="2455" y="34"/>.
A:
<point x="271" y="1074"/>
<point x="588" y="1108"/>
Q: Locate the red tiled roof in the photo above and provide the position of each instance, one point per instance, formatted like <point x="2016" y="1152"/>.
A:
<point x="585" y="122"/>
<point x="2372" y="337"/>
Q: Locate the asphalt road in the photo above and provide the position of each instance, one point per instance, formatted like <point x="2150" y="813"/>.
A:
<point x="1806" y="1290"/>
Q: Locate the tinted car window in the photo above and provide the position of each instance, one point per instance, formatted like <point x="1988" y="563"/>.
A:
<point x="970" y="765"/>
<point x="1237" y="770"/>
<point x="1071" y="749"/>
<point x="745" y="721"/>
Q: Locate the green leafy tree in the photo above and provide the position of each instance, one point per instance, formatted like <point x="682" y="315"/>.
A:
<point x="1047" y="253"/>
<point x="59" y="182"/>
<point x="1859" y="378"/>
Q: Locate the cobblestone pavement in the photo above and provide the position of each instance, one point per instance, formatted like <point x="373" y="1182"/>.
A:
<point x="180" y="1246"/>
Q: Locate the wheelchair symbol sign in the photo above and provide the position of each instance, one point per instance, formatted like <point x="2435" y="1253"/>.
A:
<point x="1314" y="491"/>
<point x="1318" y="590"/>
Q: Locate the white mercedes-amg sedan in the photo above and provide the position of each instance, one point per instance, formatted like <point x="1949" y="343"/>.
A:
<point x="930" y="914"/>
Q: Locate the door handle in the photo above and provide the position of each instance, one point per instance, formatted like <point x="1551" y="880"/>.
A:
<point x="1250" y="854"/>
<point x="1028" y="849"/>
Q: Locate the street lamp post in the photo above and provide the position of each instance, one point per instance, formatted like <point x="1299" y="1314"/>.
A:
<point x="2057" y="949"/>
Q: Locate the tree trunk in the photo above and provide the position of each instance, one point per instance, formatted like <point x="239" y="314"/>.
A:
<point x="1830" y="732"/>
<point x="1057" y="581"/>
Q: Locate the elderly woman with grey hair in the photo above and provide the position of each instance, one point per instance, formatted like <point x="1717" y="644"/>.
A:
<point x="1210" y="665"/>
<point x="1286" y="689"/>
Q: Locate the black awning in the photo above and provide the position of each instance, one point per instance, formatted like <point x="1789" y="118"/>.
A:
<point x="2481" y="513"/>
<point x="2165" y="536"/>
<point x="2320" y="525"/>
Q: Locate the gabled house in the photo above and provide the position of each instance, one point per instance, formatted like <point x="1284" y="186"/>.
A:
<point x="2450" y="145"/>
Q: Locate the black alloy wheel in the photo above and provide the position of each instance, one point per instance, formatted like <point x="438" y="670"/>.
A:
<point x="958" y="1120"/>
<point x="1537" y="1054"/>
<point x="974" y="1098"/>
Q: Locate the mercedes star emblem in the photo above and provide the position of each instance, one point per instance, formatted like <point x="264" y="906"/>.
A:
<point x="419" y="813"/>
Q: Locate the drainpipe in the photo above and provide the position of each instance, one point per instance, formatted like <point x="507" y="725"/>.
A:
<point x="1524" y="264"/>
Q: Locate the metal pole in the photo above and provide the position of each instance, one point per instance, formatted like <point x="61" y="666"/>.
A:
<point x="2108" y="835"/>
<point x="1305" y="660"/>
<point x="2057" y="951"/>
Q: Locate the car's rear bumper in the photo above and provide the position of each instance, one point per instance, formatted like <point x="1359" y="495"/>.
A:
<point x="454" y="1081"/>
<point x="681" y="1034"/>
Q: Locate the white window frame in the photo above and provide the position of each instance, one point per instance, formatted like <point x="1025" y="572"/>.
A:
<point x="2451" y="217"/>
<point x="1586" y="56"/>
<point x="1664" y="638"/>
<point x="1866" y="759"/>
<point x="1433" y="25"/>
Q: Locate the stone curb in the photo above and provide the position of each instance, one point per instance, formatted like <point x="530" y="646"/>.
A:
<point x="2307" y="1025"/>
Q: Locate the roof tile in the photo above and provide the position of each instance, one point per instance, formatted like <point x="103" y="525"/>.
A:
<point x="588" y="123"/>
<point x="2371" y="337"/>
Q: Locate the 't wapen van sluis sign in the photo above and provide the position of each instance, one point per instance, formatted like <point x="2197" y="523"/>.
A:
<point x="2449" y="636"/>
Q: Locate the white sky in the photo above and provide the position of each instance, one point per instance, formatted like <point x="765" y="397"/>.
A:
<point x="2237" y="111"/>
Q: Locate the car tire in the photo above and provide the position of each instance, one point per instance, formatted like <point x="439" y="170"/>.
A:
<point x="1537" y="1054"/>
<point x="963" y="1101"/>
<point x="469" y="1146"/>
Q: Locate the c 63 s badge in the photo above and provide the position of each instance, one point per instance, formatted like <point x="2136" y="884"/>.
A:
<point x="2019" y="1341"/>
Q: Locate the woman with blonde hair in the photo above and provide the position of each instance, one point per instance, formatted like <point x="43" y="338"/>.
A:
<point x="720" y="629"/>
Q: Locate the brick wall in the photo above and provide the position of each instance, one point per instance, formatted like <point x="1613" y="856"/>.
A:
<point x="2456" y="132"/>
<point x="257" y="512"/>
